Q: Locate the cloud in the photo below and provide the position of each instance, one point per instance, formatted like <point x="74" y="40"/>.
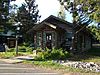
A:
<point x="18" y="2"/>
<point x="48" y="7"/>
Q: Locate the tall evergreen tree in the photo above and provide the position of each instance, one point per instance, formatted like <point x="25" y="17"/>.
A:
<point x="61" y="13"/>
<point x="90" y="8"/>
<point x="28" y="15"/>
<point x="95" y="31"/>
<point x="13" y="13"/>
<point x="83" y="11"/>
<point x="4" y="12"/>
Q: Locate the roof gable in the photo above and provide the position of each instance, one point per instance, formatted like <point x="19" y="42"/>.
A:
<point x="53" y="19"/>
<point x="54" y="22"/>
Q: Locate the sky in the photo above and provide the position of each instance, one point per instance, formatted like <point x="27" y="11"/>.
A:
<point x="47" y="8"/>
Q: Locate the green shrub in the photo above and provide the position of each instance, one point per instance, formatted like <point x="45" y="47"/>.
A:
<point x="54" y="54"/>
<point x="59" y="54"/>
<point x="40" y="56"/>
<point x="24" y="44"/>
<point x="11" y="50"/>
<point x="29" y="49"/>
<point x="7" y="54"/>
<point x="39" y="49"/>
<point x="22" y="49"/>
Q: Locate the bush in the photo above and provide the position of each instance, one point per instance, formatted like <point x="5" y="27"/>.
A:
<point x="25" y="44"/>
<point x="59" y="54"/>
<point x="40" y="56"/>
<point x="11" y="50"/>
<point x="29" y="49"/>
<point x="54" y="54"/>
<point x="25" y="49"/>
<point x="39" y="49"/>
<point x="22" y="49"/>
<point x="7" y="54"/>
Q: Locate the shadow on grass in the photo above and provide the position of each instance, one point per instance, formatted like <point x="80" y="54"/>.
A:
<point x="93" y="53"/>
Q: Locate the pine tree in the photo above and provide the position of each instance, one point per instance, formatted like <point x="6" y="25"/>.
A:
<point x="83" y="12"/>
<point x="4" y="12"/>
<point x="88" y="7"/>
<point x="61" y="13"/>
<point x="95" y="31"/>
<point x="28" y="15"/>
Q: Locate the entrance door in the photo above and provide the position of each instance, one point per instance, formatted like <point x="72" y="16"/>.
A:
<point x="49" y="40"/>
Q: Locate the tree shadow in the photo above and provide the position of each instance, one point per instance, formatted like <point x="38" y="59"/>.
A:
<point x="92" y="53"/>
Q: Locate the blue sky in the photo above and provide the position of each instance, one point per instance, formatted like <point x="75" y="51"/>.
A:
<point x="47" y="8"/>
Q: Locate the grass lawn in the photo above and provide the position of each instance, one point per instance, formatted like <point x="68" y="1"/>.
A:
<point x="12" y="54"/>
<point x="22" y="50"/>
<point x="49" y="65"/>
<point x="93" y="55"/>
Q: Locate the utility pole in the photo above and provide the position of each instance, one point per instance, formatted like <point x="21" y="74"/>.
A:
<point x="16" y="44"/>
<point x="18" y="25"/>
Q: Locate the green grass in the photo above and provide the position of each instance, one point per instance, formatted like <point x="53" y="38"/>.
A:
<point x="94" y="52"/>
<point x="54" y="66"/>
<point x="12" y="54"/>
<point x="22" y="50"/>
<point x="59" y="68"/>
<point x="93" y="55"/>
<point x="47" y="64"/>
<point x="7" y="54"/>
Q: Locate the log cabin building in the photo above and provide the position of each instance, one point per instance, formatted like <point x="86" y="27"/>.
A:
<point x="54" y="32"/>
